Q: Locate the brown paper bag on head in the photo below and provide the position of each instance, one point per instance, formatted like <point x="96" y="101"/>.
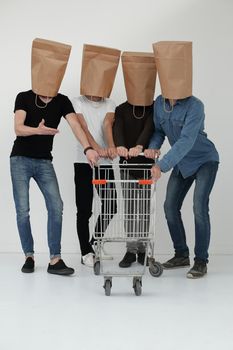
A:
<point x="174" y="64"/>
<point x="99" y="67"/>
<point x="139" y="75"/>
<point x="49" y="61"/>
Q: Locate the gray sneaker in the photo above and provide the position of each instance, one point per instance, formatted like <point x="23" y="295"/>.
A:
<point x="198" y="270"/>
<point x="176" y="262"/>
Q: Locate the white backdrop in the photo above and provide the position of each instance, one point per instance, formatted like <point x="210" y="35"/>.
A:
<point x="127" y="25"/>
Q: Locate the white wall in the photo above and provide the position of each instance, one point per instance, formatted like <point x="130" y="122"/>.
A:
<point x="127" y="25"/>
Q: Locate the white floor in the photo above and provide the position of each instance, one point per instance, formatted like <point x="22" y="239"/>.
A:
<point x="42" y="311"/>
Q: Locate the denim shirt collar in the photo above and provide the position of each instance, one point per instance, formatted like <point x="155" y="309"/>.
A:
<point x="179" y="101"/>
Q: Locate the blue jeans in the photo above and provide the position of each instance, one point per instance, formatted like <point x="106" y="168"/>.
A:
<point x="42" y="171"/>
<point x="177" y="189"/>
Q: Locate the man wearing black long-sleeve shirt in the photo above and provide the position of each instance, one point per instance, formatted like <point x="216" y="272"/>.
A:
<point x="132" y="130"/>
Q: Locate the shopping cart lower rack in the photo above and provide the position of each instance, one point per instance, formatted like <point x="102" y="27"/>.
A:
<point x="124" y="211"/>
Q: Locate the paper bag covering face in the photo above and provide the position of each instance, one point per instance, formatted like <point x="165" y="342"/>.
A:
<point x="174" y="64"/>
<point x="139" y="72"/>
<point x="99" y="67"/>
<point x="49" y="61"/>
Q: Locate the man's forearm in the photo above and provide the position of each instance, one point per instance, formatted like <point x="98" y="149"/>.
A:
<point x="91" y="139"/>
<point x="81" y="136"/>
<point x="24" y="130"/>
<point x="108" y="135"/>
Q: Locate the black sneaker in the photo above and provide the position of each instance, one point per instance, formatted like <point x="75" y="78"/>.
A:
<point x="128" y="259"/>
<point x="198" y="270"/>
<point x="176" y="262"/>
<point x="141" y="259"/>
<point x="60" y="268"/>
<point x="29" y="265"/>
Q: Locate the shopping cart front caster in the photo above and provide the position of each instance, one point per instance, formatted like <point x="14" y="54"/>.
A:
<point x="108" y="286"/>
<point x="97" y="267"/>
<point x="137" y="286"/>
<point x="156" y="269"/>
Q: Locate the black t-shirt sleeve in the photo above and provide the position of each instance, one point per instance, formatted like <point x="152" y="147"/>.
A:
<point x="20" y="103"/>
<point x="67" y="106"/>
<point x="145" y="135"/>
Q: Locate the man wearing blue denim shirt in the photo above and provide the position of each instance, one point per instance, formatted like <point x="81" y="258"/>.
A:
<point x="193" y="158"/>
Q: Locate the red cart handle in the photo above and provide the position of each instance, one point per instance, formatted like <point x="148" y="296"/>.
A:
<point x="99" y="182"/>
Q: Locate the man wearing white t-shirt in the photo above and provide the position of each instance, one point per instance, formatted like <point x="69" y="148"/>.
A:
<point x="96" y="116"/>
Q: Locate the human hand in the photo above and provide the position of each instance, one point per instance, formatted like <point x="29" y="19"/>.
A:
<point x="122" y="152"/>
<point x="92" y="157"/>
<point x="155" y="172"/>
<point x="44" y="130"/>
<point x="112" y="152"/>
<point x="102" y="152"/>
<point x="152" y="153"/>
<point x="135" y="151"/>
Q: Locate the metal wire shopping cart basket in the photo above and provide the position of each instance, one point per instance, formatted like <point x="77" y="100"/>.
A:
<point x="124" y="211"/>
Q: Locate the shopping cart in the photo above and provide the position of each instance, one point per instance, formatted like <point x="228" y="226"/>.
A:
<point x="132" y="193"/>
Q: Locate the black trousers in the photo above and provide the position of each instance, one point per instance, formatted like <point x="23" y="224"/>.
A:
<point x="83" y="175"/>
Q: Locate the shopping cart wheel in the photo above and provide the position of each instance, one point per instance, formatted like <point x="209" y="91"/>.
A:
<point x="97" y="267"/>
<point x="156" y="269"/>
<point x="107" y="287"/>
<point x="137" y="286"/>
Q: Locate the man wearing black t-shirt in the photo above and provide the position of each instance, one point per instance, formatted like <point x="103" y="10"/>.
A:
<point x="36" y="122"/>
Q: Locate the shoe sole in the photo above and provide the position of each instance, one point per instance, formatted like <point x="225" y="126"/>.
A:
<point x="190" y="276"/>
<point x="126" y="266"/>
<point x="27" y="270"/>
<point x="175" y="267"/>
<point x="61" y="272"/>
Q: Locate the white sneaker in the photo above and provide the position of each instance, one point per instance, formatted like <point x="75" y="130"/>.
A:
<point x="88" y="260"/>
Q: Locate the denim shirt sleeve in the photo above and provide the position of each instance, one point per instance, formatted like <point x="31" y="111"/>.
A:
<point x="158" y="136"/>
<point x="193" y="124"/>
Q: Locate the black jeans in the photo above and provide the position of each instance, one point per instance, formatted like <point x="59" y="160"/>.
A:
<point x="83" y="174"/>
